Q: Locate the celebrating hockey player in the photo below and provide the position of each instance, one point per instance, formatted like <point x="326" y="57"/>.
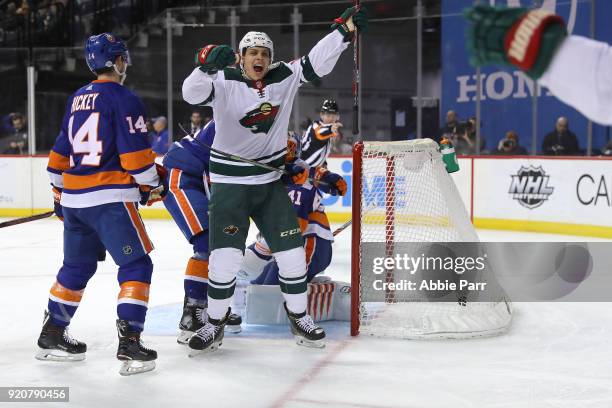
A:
<point x="187" y="164"/>
<point x="100" y="167"/>
<point x="536" y="42"/>
<point x="252" y="105"/>
<point x="317" y="139"/>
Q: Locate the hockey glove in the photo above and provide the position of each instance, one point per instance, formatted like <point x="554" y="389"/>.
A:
<point x="57" y="207"/>
<point x="297" y="172"/>
<point x="212" y="58"/>
<point x="150" y="194"/>
<point x="527" y="39"/>
<point x="356" y="16"/>
<point x="333" y="183"/>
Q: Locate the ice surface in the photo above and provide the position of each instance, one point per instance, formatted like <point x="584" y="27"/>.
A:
<point x="555" y="355"/>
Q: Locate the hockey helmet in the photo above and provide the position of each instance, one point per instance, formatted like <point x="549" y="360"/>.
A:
<point x="256" y="39"/>
<point x="102" y="50"/>
<point x="329" y="106"/>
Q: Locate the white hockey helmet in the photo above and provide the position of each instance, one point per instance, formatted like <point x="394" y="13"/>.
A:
<point x="256" y="39"/>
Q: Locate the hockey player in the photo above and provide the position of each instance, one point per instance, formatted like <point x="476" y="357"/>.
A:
<point x="536" y="42"/>
<point x="318" y="238"/>
<point x="100" y="167"/>
<point x="316" y="141"/>
<point x="187" y="164"/>
<point x="252" y="106"/>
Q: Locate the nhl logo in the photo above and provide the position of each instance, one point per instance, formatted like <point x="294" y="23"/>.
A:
<point x="127" y="250"/>
<point x="530" y="186"/>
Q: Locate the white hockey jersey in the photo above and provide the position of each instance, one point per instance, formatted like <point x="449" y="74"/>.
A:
<point x="252" y="116"/>
<point x="580" y="75"/>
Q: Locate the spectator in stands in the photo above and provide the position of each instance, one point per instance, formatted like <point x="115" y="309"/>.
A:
<point x="465" y="142"/>
<point x="162" y="141"/>
<point x="561" y="141"/>
<point x="196" y="122"/>
<point x="452" y="128"/>
<point x="509" y="146"/>
<point x="15" y="140"/>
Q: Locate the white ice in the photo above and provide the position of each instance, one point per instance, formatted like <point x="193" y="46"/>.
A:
<point x="555" y="355"/>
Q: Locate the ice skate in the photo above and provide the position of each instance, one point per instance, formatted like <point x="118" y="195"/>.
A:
<point x="209" y="337"/>
<point x="135" y="356"/>
<point x="193" y="318"/>
<point x="56" y="344"/>
<point x="234" y="323"/>
<point x="305" y="331"/>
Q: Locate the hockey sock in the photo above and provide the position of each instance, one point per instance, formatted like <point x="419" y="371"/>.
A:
<point x="196" y="278"/>
<point x="224" y="264"/>
<point x="292" y="278"/>
<point x="63" y="303"/>
<point x="67" y="291"/>
<point x="132" y="303"/>
<point x="133" y="299"/>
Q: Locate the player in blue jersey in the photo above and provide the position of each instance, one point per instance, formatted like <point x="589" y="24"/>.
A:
<point x="100" y="167"/>
<point x="187" y="164"/>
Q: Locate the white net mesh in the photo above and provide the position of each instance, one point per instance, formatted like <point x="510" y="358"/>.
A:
<point x="408" y="197"/>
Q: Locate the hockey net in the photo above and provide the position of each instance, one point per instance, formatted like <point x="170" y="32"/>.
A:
<point x="403" y="198"/>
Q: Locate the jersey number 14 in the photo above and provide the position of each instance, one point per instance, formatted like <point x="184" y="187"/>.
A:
<point x="86" y="142"/>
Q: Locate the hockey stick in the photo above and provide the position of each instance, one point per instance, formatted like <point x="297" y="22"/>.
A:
<point x="244" y="160"/>
<point x="26" y="219"/>
<point x="356" y="79"/>
<point x="342" y="227"/>
<point x="349" y="222"/>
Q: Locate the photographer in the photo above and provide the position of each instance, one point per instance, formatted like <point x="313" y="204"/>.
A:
<point x="465" y="142"/>
<point x="509" y="146"/>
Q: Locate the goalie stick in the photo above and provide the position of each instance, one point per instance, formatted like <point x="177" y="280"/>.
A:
<point x="18" y="221"/>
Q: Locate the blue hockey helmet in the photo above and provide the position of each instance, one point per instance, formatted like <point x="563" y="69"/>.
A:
<point x="102" y="50"/>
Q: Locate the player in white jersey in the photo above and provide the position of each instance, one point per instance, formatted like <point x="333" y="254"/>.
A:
<point x="252" y="106"/>
<point x="536" y="41"/>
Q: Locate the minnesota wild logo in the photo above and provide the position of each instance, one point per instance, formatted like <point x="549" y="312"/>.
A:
<point x="260" y="119"/>
<point x="231" y="230"/>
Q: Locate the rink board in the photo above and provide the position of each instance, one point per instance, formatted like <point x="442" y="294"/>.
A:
<point x="539" y="194"/>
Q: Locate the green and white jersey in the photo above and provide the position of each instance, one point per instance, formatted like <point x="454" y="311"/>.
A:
<point x="252" y="117"/>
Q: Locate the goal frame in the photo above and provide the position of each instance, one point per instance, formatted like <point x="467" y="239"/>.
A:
<point x="479" y="318"/>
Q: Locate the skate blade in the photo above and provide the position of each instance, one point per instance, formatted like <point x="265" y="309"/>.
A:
<point x="184" y="336"/>
<point x="132" y="367"/>
<point x="213" y="347"/>
<point x="233" y="329"/>
<point x="58" y="355"/>
<point x="301" y="341"/>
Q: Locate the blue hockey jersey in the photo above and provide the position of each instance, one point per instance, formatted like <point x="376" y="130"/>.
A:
<point x="101" y="154"/>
